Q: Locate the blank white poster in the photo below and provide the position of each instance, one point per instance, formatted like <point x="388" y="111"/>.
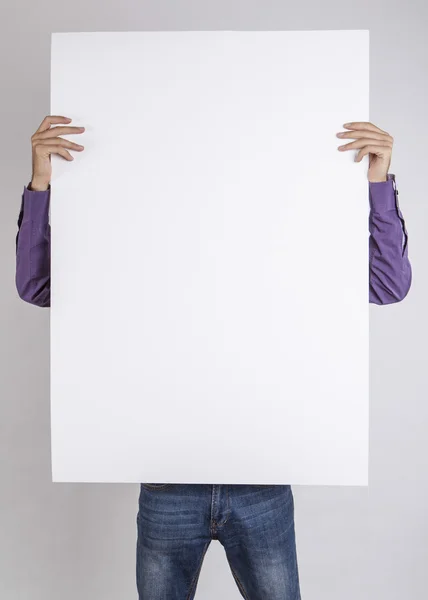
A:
<point x="209" y="311"/>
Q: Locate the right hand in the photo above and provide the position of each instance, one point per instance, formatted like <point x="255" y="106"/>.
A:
<point x="45" y="141"/>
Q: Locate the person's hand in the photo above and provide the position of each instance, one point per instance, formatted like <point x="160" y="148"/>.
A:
<point x="373" y="141"/>
<point x="46" y="141"/>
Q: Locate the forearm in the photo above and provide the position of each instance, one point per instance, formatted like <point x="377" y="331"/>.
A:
<point x="33" y="249"/>
<point x="389" y="266"/>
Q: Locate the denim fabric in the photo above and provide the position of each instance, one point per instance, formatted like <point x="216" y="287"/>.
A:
<point x="254" y="524"/>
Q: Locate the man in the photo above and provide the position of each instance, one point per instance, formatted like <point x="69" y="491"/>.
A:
<point x="254" y="523"/>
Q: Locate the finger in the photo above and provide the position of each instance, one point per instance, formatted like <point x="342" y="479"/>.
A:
<point x="364" y="125"/>
<point x="64" y="153"/>
<point x="365" y="133"/>
<point x="55" y="131"/>
<point x="378" y="150"/>
<point x="56" y="150"/>
<point x="365" y="142"/>
<point x="50" y="120"/>
<point x="43" y="143"/>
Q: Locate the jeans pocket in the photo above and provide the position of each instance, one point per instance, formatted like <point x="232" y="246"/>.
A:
<point x="263" y="485"/>
<point x="277" y="487"/>
<point x="156" y="486"/>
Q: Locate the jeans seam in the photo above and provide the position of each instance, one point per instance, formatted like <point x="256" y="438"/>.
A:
<point x="213" y="523"/>
<point x="196" y="576"/>
<point x="240" y="585"/>
<point x="227" y="508"/>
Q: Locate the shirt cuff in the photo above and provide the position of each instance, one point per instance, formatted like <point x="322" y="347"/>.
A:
<point x="382" y="194"/>
<point x="35" y="205"/>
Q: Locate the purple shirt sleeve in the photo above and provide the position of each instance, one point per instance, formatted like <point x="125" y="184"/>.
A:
<point x="33" y="248"/>
<point x="390" y="273"/>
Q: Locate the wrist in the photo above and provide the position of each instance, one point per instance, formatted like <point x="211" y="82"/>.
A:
<point x="38" y="185"/>
<point x="378" y="179"/>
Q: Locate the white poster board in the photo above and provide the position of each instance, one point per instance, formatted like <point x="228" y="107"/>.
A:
<point x="209" y="311"/>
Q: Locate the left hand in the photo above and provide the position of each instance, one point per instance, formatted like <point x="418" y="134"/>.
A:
<point x="373" y="141"/>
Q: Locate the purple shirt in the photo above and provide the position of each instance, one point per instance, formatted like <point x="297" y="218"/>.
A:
<point x="390" y="273"/>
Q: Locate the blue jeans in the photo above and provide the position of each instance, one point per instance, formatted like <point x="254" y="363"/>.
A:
<point x="254" y="524"/>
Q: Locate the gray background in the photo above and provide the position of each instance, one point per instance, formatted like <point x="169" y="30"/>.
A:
<point x="77" y="541"/>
